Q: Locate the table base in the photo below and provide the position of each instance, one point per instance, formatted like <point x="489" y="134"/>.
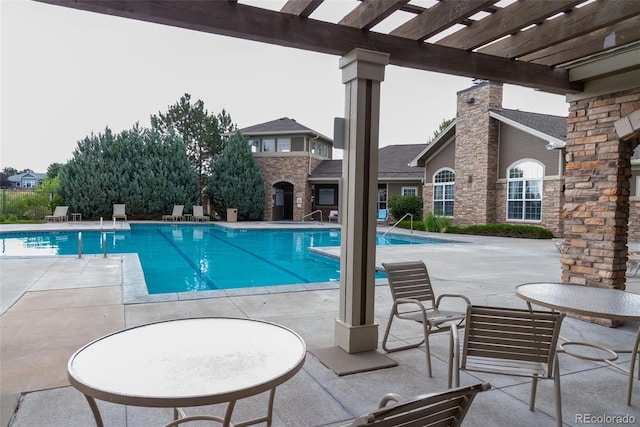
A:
<point x="608" y="360"/>
<point x="180" y="417"/>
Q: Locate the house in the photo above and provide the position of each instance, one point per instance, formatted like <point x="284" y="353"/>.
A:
<point x="395" y="177"/>
<point x="302" y="179"/>
<point x="490" y="165"/>
<point x="287" y="152"/>
<point x="28" y="179"/>
<point x="495" y="165"/>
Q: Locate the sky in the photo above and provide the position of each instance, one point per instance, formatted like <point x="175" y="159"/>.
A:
<point x="65" y="74"/>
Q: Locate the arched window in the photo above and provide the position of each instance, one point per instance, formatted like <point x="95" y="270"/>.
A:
<point x="443" y="186"/>
<point x="524" y="192"/>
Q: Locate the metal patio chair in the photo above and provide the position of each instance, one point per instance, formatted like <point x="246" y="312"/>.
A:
<point x="414" y="299"/>
<point x="445" y="409"/>
<point x="509" y="341"/>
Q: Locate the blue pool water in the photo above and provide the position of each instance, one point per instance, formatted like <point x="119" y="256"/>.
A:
<point x="182" y="258"/>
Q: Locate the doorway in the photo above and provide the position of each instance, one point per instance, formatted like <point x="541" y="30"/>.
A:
<point x="282" y="202"/>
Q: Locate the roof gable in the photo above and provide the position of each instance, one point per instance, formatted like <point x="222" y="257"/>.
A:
<point x="282" y="125"/>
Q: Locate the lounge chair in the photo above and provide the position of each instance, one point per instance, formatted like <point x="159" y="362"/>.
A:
<point x="414" y="299"/>
<point x="61" y="213"/>
<point x="383" y="216"/>
<point x="507" y="341"/>
<point x="445" y="409"/>
<point x="198" y="214"/>
<point x="119" y="212"/>
<point x="333" y="216"/>
<point x="176" y="215"/>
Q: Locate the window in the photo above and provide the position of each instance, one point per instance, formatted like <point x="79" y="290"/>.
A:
<point x="326" y="195"/>
<point x="269" y="145"/>
<point x="524" y="191"/>
<point x="320" y="149"/>
<point x="409" y="191"/>
<point x="284" y="145"/>
<point x="443" y="191"/>
<point x="382" y="196"/>
<point x="254" y="144"/>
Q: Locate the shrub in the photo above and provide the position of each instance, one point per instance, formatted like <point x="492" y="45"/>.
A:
<point x="402" y="205"/>
<point x="504" y="230"/>
<point x="436" y="224"/>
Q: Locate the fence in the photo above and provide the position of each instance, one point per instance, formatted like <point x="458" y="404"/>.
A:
<point x="23" y="204"/>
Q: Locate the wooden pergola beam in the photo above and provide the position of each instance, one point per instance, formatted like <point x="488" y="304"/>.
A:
<point x="257" y="24"/>
<point x="370" y="13"/>
<point x="439" y="17"/>
<point x="505" y="21"/>
<point x="302" y="8"/>
<point x="623" y="33"/>
<point x="572" y="25"/>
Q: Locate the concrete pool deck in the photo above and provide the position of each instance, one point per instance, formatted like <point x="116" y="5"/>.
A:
<point x="53" y="306"/>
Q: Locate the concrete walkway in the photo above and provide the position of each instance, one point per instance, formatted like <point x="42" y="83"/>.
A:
<point x="53" y="306"/>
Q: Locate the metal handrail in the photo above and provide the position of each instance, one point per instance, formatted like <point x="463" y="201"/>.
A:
<point x="398" y="222"/>
<point x="314" y="212"/>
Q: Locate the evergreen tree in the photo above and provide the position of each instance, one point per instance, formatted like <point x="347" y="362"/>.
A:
<point x="147" y="171"/>
<point x="236" y="182"/>
<point x="200" y="131"/>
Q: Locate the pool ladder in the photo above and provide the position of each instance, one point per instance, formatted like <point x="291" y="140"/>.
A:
<point x="398" y="222"/>
<point x="311" y="215"/>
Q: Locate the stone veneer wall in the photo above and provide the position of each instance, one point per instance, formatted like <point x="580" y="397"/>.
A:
<point x="598" y="170"/>
<point x="476" y="154"/>
<point x="292" y="168"/>
<point x="634" y="219"/>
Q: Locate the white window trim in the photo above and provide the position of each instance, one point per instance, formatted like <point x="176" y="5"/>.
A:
<point x="542" y="179"/>
<point x="434" y="184"/>
<point x="409" y="188"/>
<point x="638" y="186"/>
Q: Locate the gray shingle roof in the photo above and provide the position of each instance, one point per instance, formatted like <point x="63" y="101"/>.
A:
<point x="393" y="163"/>
<point x="555" y="126"/>
<point x="284" y="124"/>
<point x="328" y="169"/>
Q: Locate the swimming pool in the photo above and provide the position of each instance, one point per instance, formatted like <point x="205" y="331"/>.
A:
<point x="183" y="258"/>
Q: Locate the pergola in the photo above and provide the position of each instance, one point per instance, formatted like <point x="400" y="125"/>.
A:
<point x="587" y="50"/>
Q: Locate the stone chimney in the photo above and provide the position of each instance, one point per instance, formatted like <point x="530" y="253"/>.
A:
<point x="476" y="154"/>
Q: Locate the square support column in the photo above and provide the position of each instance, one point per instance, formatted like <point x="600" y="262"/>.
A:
<point x="362" y="72"/>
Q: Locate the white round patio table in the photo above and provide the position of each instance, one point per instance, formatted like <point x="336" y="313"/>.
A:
<point x="590" y="301"/>
<point x="188" y="362"/>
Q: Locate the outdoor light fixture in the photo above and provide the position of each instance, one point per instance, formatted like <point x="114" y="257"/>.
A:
<point x="470" y="100"/>
<point x="551" y="146"/>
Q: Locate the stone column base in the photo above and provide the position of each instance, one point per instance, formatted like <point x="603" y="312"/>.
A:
<point x="356" y="339"/>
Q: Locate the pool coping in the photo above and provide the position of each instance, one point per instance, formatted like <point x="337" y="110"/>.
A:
<point x="134" y="287"/>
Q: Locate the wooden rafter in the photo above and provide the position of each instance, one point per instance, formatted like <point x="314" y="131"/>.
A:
<point x="302" y="8"/>
<point x="505" y="21"/>
<point x="540" y="34"/>
<point x="253" y="23"/>
<point x="620" y="34"/>
<point x="371" y="12"/>
<point x="569" y="26"/>
<point x="439" y="17"/>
